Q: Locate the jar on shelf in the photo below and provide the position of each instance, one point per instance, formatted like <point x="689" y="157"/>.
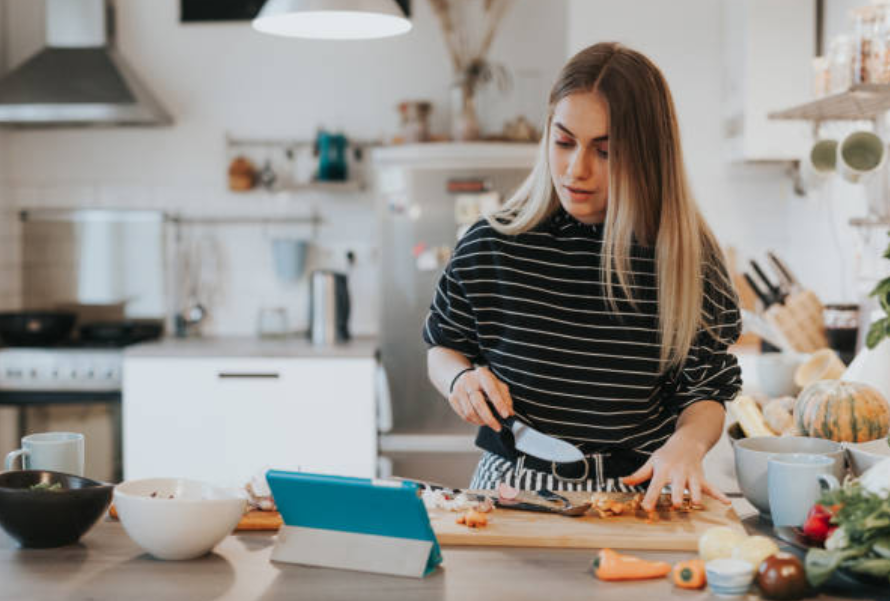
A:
<point x="878" y="67"/>
<point x="415" y="120"/>
<point x="840" y="59"/>
<point x="864" y="24"/>
<point x="821" y="76"/>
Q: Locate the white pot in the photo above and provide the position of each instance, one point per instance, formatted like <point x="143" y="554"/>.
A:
<point x="872" y="367"/>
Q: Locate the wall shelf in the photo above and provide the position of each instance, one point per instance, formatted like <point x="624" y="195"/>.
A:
<point x="861" y="102"/>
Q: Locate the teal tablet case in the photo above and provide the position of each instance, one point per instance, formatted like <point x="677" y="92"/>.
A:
<point x="346" y="506"/>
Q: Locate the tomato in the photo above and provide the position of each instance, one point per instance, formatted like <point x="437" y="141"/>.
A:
<point x="782" y="576"/>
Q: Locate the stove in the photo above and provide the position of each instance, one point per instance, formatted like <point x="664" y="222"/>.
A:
<point x="61" y="369"/>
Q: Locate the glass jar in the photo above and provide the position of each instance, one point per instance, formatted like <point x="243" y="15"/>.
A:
<point x="879" y="56"/>
<point x="864" y="22"/>
<point x="840" y="59"/>
<point x="415" y="121"/>
<point x="821" y="76"/>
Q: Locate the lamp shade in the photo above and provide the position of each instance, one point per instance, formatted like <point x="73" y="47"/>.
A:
<point x="332" y="19"/>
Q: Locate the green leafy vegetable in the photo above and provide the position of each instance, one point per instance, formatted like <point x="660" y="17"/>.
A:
<point x="862" y="542"/>
<point x="46" y="486"/>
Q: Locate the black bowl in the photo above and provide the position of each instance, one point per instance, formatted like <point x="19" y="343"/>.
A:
<point x="50" y="518"/>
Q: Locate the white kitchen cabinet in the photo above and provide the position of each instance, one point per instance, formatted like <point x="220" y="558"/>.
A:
<point x="768" y="48"/>
<point x="223" y="419"/>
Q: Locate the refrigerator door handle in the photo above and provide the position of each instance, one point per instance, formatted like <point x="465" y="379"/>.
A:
<point x="384" y="400"/>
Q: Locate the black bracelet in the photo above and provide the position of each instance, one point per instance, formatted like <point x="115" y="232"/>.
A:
<point x="459" y="374"/>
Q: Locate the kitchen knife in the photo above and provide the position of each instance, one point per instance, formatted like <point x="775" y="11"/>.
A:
<point x="784" y="273"/>
<point x="763" y="296"/>
<point x="775" y="291"/>
<point x="534" y="443"/>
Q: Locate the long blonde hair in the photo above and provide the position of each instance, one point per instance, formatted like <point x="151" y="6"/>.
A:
<point x="650" y="200"/>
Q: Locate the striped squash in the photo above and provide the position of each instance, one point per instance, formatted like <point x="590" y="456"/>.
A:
<point x="842" y="411"/>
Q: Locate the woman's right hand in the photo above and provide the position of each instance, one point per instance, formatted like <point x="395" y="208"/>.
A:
<point x="469" y="393"/>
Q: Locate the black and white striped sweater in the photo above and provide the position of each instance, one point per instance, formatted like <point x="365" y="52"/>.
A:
<point x="532" y="307"/>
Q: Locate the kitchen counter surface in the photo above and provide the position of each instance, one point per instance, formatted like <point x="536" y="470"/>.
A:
<point x="362" y="347"/>
<point x="108" y="565"/>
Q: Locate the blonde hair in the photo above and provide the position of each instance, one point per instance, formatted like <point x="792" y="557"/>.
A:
<point x="650" y="200"/>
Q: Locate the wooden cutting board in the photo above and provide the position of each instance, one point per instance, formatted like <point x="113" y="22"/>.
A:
<point x="510" y="528"/>
<point x="252" y="520"/>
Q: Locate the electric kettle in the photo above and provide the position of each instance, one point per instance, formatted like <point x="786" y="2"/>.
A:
<point x="328" y="307"/>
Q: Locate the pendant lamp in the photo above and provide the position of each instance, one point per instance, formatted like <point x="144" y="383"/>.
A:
<point x="332" y="19"/>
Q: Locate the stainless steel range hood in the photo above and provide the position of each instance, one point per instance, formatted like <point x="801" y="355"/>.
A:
<point x="78" y="79"/>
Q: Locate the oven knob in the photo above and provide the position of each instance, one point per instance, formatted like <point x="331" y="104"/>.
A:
<point x="55" y="374"/>
<point x="34" y="374"/>
<point x="109" y="375"/>
<point x="90" y="374"/>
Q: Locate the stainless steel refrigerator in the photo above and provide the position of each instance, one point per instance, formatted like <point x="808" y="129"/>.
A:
<point x="419" y="219"/>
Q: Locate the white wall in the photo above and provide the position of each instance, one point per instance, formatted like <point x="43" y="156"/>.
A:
<point x="218" y="78"/>
<point x="750" y="206"/>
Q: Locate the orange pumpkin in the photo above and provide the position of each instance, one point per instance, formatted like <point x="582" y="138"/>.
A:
<point x="842" y="411"/>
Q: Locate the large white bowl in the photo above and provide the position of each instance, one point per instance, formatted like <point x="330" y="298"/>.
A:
<point x="752" y="457"/>
<point x="863" y="455"/>
<point x="173" y="518"/>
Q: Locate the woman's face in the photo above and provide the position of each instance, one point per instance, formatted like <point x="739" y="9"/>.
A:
<point x="579" y="155"/>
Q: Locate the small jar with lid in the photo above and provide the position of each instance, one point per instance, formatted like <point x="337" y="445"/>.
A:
<point x="415" y="120"/>
<point x="840" y="61"/>
<point x="864" y="24"/>
<point x="821" y="76"/>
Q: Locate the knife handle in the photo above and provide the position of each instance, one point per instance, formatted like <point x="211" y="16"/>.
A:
<point x="506" y="422"/>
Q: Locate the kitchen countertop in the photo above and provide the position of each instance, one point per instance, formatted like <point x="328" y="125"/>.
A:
<point x="108" y="565"/>
<point x="208" y="347"/>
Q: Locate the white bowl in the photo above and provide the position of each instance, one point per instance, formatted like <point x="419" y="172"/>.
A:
<point x="172" y="518"/>
<point x="752" y="456"/>
<point x="863" y="455"/>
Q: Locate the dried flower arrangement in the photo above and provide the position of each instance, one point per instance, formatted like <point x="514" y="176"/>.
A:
<point x="469" y="27"/>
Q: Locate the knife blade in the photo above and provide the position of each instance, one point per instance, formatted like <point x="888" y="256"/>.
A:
<point x="775" y="291"/>
<point x="784" y="273"/>
<point x="763" y="296"/>
<point x="537" y="444"/>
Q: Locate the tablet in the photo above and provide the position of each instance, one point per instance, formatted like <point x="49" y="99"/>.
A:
<point x="353" y="523"/>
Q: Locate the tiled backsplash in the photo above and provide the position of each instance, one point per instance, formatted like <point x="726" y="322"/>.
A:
<point x="237" y="276"/>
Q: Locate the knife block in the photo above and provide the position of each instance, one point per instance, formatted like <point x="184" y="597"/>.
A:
<point x="799" y="320"/>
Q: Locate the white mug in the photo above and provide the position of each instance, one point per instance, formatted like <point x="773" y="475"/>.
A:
<point x="795" y="481"/>
<point x="819" y="164"/>
<point x="860" y="154"/>
<point x="53" y="451"/>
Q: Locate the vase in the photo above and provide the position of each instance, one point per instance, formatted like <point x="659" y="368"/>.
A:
<point x="872" y="367"/>
<point x="464" y="117"/>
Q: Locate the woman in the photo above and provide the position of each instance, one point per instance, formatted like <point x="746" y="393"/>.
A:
<point x="596" y="304"/>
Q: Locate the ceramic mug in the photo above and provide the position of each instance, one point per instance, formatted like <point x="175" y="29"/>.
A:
<point x="775" y="374"/>
<point x="289" y="255"/>
<point x="859" y="154"/>
<point x="53" y="451"/>
<point x="819" y="164"/>
<point x="795" y="482"/>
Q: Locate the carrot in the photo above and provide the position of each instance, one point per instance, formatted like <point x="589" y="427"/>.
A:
<point x="611" y="565"/>
<point x="473" y="519"/>
<point x="690" y="574"/>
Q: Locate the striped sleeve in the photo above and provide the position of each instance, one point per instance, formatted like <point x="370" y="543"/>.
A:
<point x="451" y="321"/>
<point x="710" y="371"/>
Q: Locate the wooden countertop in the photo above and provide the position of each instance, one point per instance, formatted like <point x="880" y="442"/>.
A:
<point x="211" y="347"/>
<point x="108" y="565"/>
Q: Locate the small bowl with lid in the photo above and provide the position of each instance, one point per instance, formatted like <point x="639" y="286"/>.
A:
<point x="729" y="577"/>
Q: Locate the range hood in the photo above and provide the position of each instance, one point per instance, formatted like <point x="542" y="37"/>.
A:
<point x="79" y="79"/>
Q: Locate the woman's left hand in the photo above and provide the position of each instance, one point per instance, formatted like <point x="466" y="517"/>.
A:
<point x="678" y="463"/>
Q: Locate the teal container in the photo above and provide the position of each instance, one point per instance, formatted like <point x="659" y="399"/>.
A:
<point x="332" y="165"/>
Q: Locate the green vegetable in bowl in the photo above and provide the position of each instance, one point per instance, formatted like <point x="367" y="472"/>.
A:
<point x="46" y="486"/>
<point x="861" y="542"/>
